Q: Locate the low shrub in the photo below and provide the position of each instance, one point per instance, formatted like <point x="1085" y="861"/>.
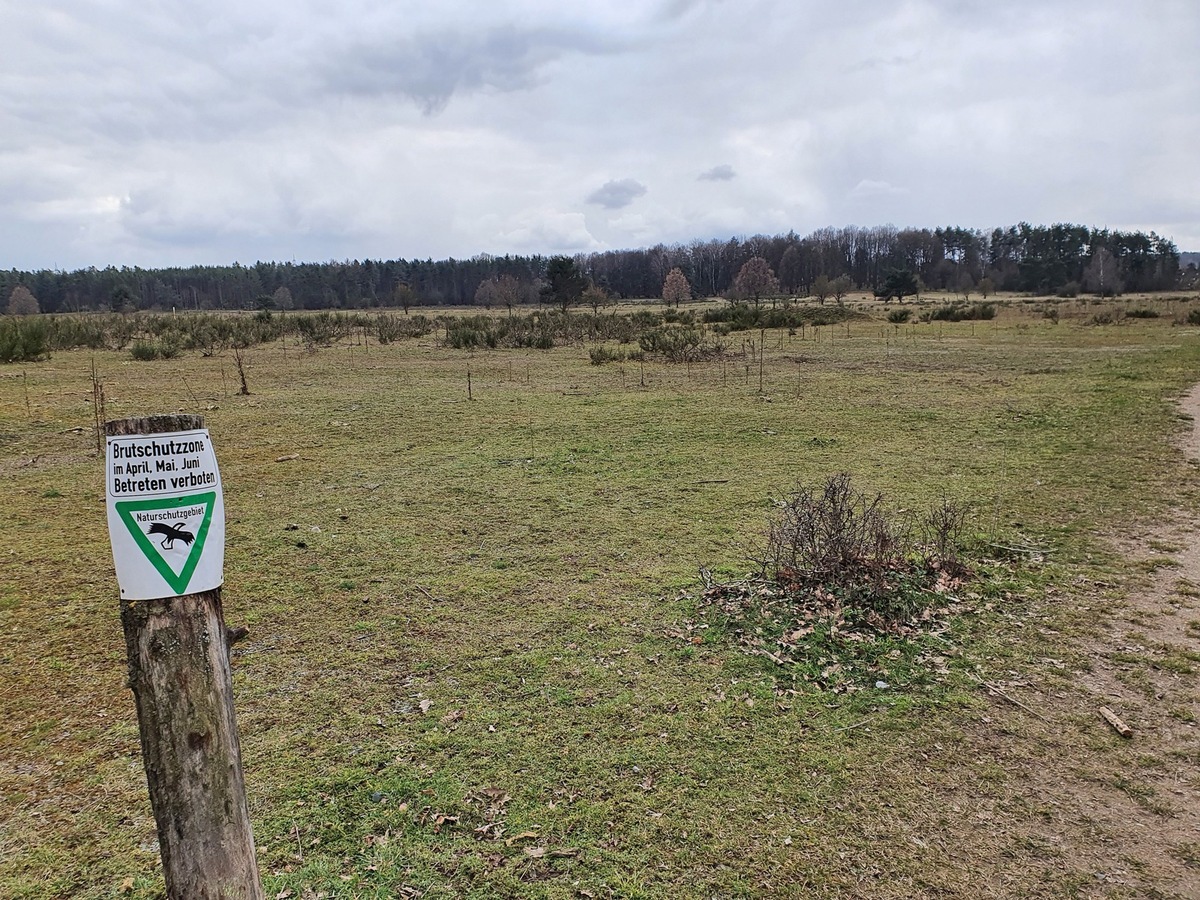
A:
<point x="471" y="334"/>
<point x="743" y="316"/>
<point x="24" y="339"/>
<point x="600" y="355"/>
<point x="675" y="317"/>
<point x="392" y="328"/>
<point x="679" y="344"/>
<point x="169" y="347"/>
<point x="1141" y="314"/>
<point x="899" y="316"/>
<point x="322" y="328"/>
<point x="643" y="319"/>
<point x="143" y="351"/>
<point x="961" y="312"/>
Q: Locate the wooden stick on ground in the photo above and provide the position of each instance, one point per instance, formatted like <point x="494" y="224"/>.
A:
<point x="1115" y="721"/>
<point x="1013" y="700"/>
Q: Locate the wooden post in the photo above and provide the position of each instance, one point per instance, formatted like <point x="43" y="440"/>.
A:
<point x="762" y="351"/>
<point x="178" y="652"/>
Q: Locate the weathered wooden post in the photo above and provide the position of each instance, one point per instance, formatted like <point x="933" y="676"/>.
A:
<point x="167" y="524"/>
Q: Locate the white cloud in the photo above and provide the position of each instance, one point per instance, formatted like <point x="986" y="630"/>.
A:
<point x="871" y="190"/>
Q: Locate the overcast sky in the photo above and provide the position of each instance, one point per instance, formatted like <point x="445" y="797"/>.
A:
<point x="171" y="133"/>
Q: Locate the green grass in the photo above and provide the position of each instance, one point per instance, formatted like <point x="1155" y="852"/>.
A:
<point x="518" y="561"/>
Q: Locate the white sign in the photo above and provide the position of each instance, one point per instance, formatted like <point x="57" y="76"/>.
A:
<point x="166" y="516"/>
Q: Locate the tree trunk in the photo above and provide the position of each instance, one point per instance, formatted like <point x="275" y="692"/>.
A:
<point x="179" y="673"/>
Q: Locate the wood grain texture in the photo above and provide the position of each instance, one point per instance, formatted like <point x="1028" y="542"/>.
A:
<point x="178" y="657"/>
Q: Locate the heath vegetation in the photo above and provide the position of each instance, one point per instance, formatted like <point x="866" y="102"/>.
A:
<point x="617" y="603"/>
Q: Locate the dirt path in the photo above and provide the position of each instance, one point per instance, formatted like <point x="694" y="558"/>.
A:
<point x="1083" y="811"/>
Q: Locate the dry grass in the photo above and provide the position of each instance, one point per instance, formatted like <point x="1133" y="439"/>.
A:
<point x="516" y="560"/>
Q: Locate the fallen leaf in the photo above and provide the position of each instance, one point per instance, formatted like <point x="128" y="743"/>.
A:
<point x="126" y="885"/>
<point x="535" y="852"/>
<point x="425" y="705"/>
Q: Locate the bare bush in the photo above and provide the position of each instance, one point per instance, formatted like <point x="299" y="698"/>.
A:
<point x="944" y="525"/>
<point x="847" y="546"/>
<point x="826" y="535"/>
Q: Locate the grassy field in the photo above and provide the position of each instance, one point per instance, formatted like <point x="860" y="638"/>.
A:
<point x="468" y="671"/>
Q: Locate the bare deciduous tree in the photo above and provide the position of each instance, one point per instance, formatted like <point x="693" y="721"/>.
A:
<point x="485" y="294"/>
<point x="840" y="287"/>
<point x="21" y="302"/>
<point x="1102" y="275"/>
<point x="596" y="297"/>
<point x="966" y="284"/>
<point x="822" y="287"/>
<point x="404" y="296"/>
<point x="755" y="280"/>
<point x="676" y="288"/>
<point x="508" y="292"/>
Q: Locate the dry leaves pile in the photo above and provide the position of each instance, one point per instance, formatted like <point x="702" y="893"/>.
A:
<point x="808" y="629"/>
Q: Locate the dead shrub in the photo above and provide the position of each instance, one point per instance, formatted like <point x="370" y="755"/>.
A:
<point x="848" y="546"/>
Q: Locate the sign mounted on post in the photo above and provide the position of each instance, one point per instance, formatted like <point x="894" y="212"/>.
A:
<point x="166" y="515"/>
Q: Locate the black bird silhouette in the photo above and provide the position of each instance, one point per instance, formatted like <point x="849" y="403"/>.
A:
<point x="172" y="533"/>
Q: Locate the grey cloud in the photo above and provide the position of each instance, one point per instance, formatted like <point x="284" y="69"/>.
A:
<point x="723" y="172"/>
<point x="616" y="194"/>
<point x="677" y="9"/>
<point x="431" y="68"/>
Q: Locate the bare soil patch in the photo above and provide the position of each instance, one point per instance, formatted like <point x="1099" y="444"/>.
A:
<point x="1078" y="810"/>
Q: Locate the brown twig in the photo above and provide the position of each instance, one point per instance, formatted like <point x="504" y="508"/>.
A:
<point x="430" y="596"/>
<point x="1013" y="700"/>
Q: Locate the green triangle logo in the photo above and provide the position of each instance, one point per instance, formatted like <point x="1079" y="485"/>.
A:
<point x="155" y="537"/>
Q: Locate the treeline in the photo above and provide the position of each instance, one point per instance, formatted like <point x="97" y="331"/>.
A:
<point x="1029" y="258"/>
